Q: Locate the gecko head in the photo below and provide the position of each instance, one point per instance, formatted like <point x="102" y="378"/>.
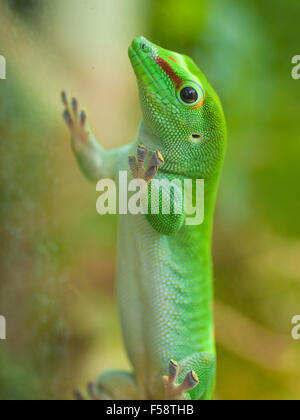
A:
<point x="180" y="109"/>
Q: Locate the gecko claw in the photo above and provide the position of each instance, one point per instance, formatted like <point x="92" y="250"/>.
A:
<point x="160" y="158"/>
<point x="75" y="106"/>
<point x="91" y="391"/>
<point x="132" y="165"/>
<point x="173" y="371"/>
<point x="83" y="117"/>
<point x="155" y="162"/>
<point x="67" y="117"/>
<point x="78" y="396"/>
<point x="150" y="174"/>
<point x="190" y="381"/>
<point x="141" y="155"/>
<point x="64" y="97"/>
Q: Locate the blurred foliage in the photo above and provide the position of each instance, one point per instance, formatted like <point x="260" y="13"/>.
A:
<point x="57" y="257"/>
<point x="30" y="10"/>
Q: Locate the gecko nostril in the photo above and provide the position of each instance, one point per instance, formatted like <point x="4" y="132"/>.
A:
<point x="143" y="47"/>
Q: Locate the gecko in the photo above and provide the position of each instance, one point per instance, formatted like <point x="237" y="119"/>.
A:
<point x="164" y="285"/>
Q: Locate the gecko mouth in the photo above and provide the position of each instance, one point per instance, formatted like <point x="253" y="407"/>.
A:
<point x="143" y="58"/>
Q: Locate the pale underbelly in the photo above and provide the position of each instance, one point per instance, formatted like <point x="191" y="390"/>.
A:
<point x="163" y="309"/>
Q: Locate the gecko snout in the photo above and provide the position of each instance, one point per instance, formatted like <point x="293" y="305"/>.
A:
<point x="142" y="44"/>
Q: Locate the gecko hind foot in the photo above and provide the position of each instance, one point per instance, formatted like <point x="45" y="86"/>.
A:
<point x="174" y="391"/>
<point x="91" y="391"/>
<point x="137" y="164"/>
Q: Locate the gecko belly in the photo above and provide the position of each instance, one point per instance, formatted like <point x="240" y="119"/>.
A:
<point x="163" y="297"/>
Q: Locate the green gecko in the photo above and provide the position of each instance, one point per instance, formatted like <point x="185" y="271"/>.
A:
<point x="165" y="274"/>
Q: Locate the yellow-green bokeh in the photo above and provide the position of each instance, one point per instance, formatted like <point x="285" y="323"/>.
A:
<point x="58" y="257"/>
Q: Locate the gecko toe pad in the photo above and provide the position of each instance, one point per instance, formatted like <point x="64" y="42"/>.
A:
<point x="174" y="391"/>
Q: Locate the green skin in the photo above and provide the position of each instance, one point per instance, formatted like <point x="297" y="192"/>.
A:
<point x="165" y="275"/>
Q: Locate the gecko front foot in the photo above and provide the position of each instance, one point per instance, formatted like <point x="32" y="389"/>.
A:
<point x="76" y="120"/>
<point x="137" y="165"/>
<point x="174" y="391"/>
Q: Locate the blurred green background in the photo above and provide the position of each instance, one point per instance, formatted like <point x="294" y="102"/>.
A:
<point x="57" y="256"/>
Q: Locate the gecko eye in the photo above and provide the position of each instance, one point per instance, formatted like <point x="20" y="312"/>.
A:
<point x="189" y="95"/>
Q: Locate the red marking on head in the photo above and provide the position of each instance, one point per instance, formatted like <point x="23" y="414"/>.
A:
<point x="173" y="59"/>
<point x="169" y="71"/>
